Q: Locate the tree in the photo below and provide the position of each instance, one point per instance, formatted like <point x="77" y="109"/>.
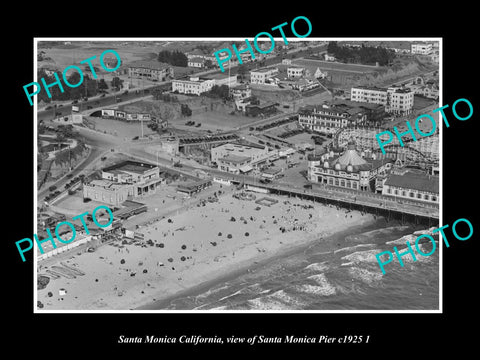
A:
<point x="117" y="82"/>
<point x="186" y="111"/>
<point x="242" y="71"/>
<point x="221" y="92"/>
<point x="157" y="93"/>
<point x="102" y="85"/>
<point x="153" y="125"/>
<point x="175" y="58"/>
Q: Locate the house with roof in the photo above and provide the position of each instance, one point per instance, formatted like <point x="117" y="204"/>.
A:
<point x="413" y="186"/>
<point x="196" y="62"/>
<point x="150" y="69"/>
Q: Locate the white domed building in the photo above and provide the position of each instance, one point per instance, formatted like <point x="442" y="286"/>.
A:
<point x="348" y="170"/>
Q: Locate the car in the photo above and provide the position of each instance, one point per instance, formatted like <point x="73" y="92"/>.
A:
<point x="103" y="158"/>
<point x="69" y="176"/>
<point x="49" y="107"/>
<point x="103" y="95"/>
<point x="75" y="102"/>
<point x="52" y="188"/>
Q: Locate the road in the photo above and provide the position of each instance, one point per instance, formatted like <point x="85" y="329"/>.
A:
<point x="97" y="102"/>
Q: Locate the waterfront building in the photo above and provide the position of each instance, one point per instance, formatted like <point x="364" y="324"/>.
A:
<point x="236" y="157"/>
<point x="348" y="170"/>
<point x="123" y="181"/>
<point x="413" y="186"/>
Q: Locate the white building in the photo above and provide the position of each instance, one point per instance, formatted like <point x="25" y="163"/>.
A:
<point x="196" y="62"/>
<point x="295" y="72"/>
<point x="348" y="170"/>
<point x="412" y="186"/>
<point x="221" y="79"/>
<point x="260" y="76"/>
<point x="395" y="99"/>
<point x="236" y="158"/>
<point x="422" y="49"/>
<point x="195" y="85"/>
<point x="369" y="94"/>
<point x="329" y="57"/>
<point x="399" y="100"/>
<point x="319" y="74"/>
<point x="152" y="70"/>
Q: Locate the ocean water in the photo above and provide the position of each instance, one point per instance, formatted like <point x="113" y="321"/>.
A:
<point x="337" y="273"/>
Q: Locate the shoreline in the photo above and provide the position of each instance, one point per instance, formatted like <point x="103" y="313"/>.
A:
<point x="186" y="253"/>
<point x="254" y="265"/>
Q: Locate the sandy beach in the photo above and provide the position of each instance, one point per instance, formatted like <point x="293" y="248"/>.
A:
<point x="191" y="248"/>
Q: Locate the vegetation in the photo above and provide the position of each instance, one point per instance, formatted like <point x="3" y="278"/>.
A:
<point x="364" y="54"/>
<point x="175" y="58"/>
<point x="220" y="92"/>
<point x="88" y="87"/>
<point x="186" y="111"/>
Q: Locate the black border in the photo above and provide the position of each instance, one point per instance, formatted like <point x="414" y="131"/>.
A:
<point x="83" y="333"/>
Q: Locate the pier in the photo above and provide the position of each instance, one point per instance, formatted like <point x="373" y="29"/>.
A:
<point x="390" y="208"/>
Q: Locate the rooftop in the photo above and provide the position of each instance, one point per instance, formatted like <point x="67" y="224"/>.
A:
<point x="149" y="64"/>
<point x="106" y="184"/>
<point x="369" y="88"/>
<point x="235" y="158"/>
<point x="264" y="70"/>
<point x="130" y="166"/>
<point x="197" y="59"/>
<point x="414" y="181"/>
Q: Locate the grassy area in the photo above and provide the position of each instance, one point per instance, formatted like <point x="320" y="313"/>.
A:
<point x="213" y="120"/>
<point x="118" y="128"/>
<point x="420" y="102"/>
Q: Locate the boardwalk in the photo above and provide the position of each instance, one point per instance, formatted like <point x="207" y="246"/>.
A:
<point x="370" y="202"/>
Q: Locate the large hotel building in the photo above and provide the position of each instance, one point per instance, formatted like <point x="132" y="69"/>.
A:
<point x="396" y="100"/>
<point x="329" y="118"/>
